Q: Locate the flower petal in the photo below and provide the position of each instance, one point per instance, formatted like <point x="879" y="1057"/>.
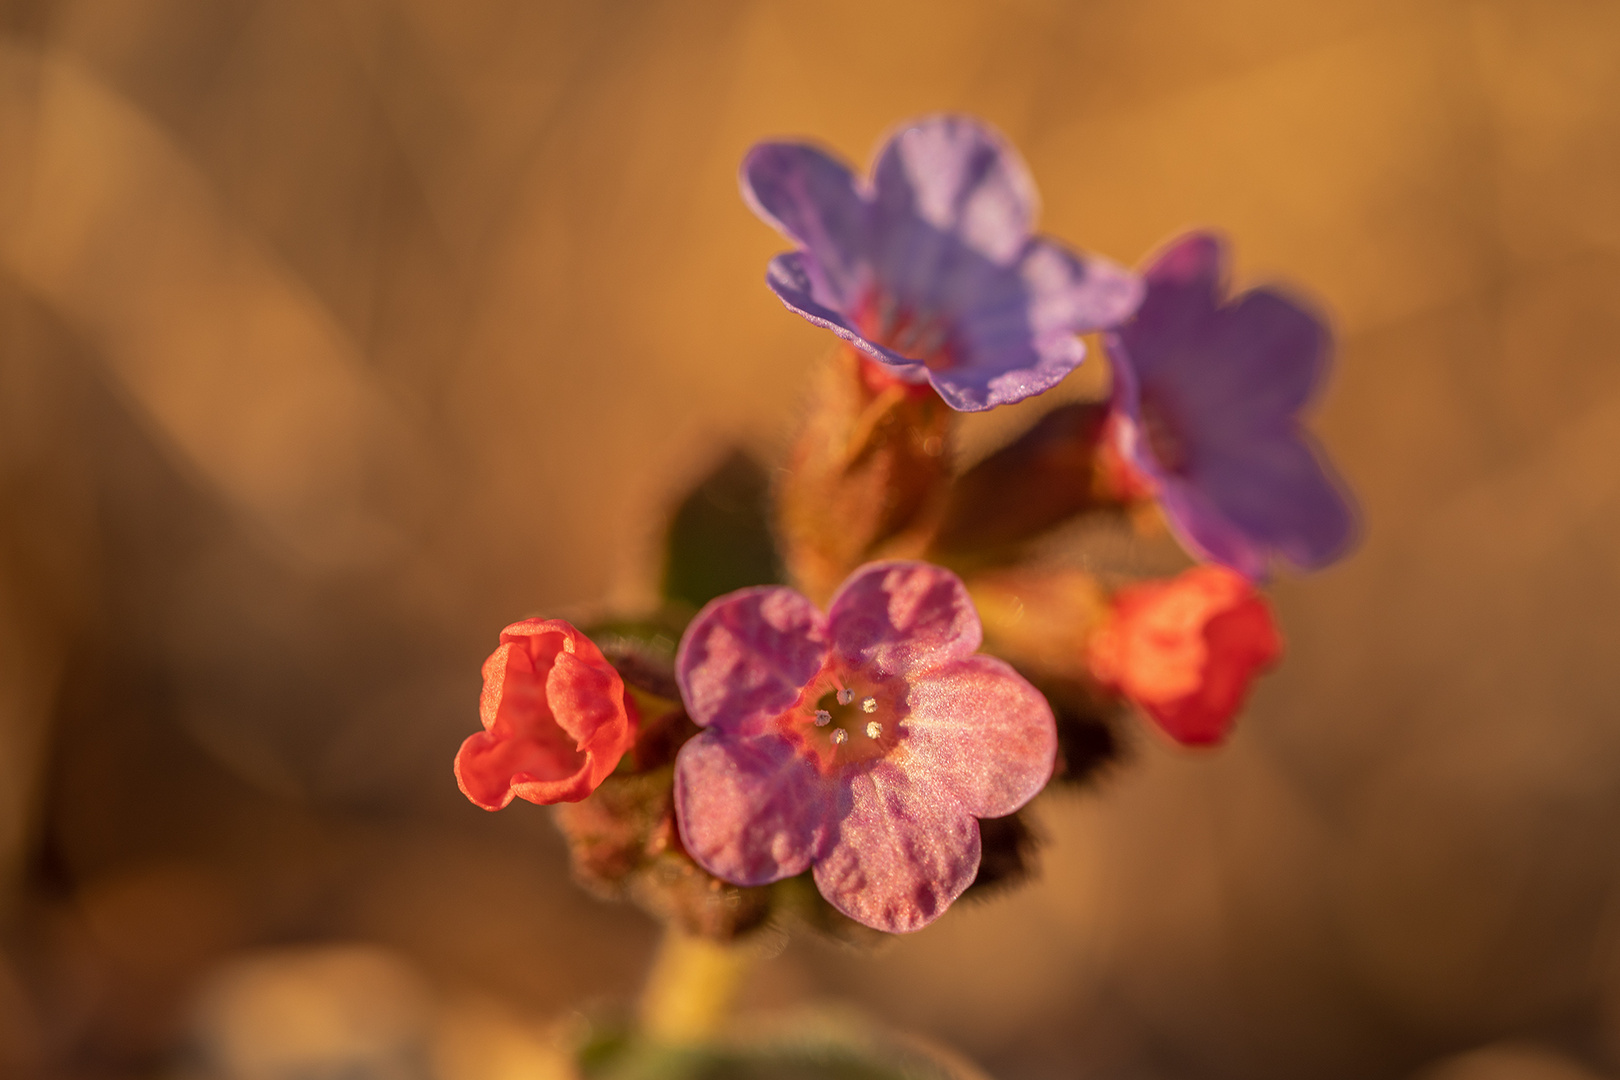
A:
<point x="490" y="771"/>
<point x="959" y="177"/>
<point x="904" y="618"/>
<point x="750" y="810"/>
<point x="1280" y="492"/>
<point x="1013" y="335"/>
<point x="746" y="656"/>
<point x="1239" y="643"/>
<point x="981" y="735"/>
<point x="589" y="704"/>
<point x="1184" y="283"/>
<point x="901" y="855"/>
<point x="813" y="199"/>
<point x="1205" y="530"/>
<point x="1268" y="352"/>
<point x="1076" y="294"/>
<point x="789" y="277"/>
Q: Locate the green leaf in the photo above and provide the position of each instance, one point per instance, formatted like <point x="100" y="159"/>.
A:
<point x="720" y="536"/>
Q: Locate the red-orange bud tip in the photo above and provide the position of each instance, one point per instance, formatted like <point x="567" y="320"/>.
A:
<point x="1186" y="650"/>
<point x="556" y="719"/>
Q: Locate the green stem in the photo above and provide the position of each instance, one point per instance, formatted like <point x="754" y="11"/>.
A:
<point x="690" y="988"/>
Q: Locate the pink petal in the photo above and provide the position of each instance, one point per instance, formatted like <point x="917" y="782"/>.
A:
<point x="904" y="618"/>
<point x="751" y="811"/>
<point x="980" y="735"/>
<point x="746" y="656"/>
<point x="901" y="856"/>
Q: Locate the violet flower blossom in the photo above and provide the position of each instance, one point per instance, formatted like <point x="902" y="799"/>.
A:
<point x="1205" y="410"/>
<point x="863" y="743"/>
<point x="929" y="268"/>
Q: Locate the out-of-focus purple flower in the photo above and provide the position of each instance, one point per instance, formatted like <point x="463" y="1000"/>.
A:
<point x="863" y="743"/>
<point x="1205" y="412"/>
<point x="930" y="267"/>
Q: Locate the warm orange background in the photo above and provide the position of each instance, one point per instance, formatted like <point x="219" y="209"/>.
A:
<point x="335" y="334"/>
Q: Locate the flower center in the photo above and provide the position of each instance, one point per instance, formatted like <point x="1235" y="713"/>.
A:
<point x="1160" y="430"/>
<point x="922" y="336"/>
<point x="845" y="719"/>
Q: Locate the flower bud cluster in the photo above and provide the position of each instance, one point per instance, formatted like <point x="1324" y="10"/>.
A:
<point x="852" y="746"/>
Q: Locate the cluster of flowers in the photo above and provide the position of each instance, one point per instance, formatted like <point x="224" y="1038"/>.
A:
<point x="862" y="743"/>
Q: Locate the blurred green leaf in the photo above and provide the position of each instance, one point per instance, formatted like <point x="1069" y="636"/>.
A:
<point x="720" y="536"/>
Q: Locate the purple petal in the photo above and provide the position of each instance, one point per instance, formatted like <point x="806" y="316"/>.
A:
<point x="1076" y="294"/>
<point x="1279" y="492"/>
<point x="751" y="811"/>
<point x="980" y="735"/>
<point x="1039" y="366"/>
<point x="1207" y="533"/>
<point x="1265" y="356"/>
<point x="814" y="200"/>
<point x="903" y="618"/>
<point x="789" y="278"/>
<point x="746" y="656"/>
<point x="961" y="178"/>
<point x="953" y="210"/>
<point x="900" y="856"/>
<point x="1184" y="285"/>
<point x="1015" y="332"/>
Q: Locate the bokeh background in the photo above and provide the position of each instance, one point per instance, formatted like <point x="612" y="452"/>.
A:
<point x="336" y="334"/>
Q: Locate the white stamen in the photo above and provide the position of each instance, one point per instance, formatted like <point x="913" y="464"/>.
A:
<point x="846" y="696"/>
<point x="839" y="736"/>
<point x="873" y="729"/>
<point x="869" y="705"/>
<point x="823" y="718"/>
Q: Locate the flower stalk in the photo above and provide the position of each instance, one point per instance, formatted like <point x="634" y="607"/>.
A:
<point x="690" y="989"/>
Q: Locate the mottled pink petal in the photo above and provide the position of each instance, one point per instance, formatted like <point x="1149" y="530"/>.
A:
<point x="901" y="855"/>
<point x="746" y="655"/>
<point x="903" y="618"/>
<point x="980" y="735"/>
<point x="751" y="811"/>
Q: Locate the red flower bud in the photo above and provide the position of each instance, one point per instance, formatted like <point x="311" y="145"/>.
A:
<point x="556" y="719"/>
<point x="1186" y="649"/>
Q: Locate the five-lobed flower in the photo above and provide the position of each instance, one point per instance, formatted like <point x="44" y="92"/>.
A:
<point x="861" y="744"/>
<point x="1205" y="415"/>
<point x="930" y="267"/>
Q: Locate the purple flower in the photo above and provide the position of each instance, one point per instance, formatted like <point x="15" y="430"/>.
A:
<point x="1205" y="411"/>
<point x="930" y="268"/>
<point x="863" y="743"/>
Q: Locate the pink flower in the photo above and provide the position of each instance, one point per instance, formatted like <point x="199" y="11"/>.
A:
<point x="863" y="743"/>
<point x="1185" y="650"/>
<point x="556" y="720"/>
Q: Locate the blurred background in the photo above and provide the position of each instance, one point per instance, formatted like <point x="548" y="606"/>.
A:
<point x="337" y="334"/>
